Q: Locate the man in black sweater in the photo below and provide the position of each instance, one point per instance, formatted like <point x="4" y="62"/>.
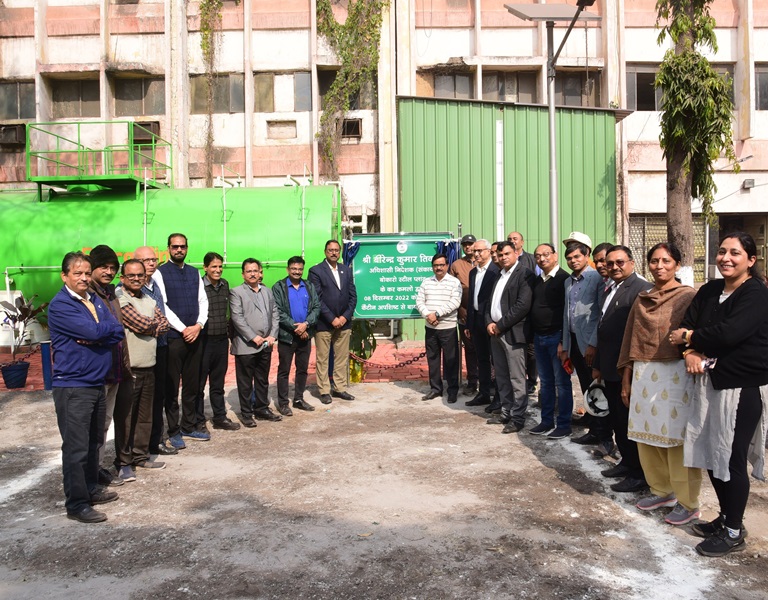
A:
<point x="546" y="322"/>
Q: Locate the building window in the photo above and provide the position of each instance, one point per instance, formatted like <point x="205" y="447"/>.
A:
<point x="352" y="129"/>
<point x="139" y="97"/>
<point x="365" y="99"/>
<point x="17" y="100"/>
<point x="457" y="85"/>
<point x="75" y="98"/>
<point x="577" y="88"/>
<point x="228" y="94"/>
<point x="273" y="92"/>
<point x="512" y="86"/>
<point x="761" y="86"/>
<point x="641" y="94"/>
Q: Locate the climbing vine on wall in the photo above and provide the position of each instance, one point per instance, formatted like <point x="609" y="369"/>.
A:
<point x="210" y="28"/>
<point x="356" y="44"/>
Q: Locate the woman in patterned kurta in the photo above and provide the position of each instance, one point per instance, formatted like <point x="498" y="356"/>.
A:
<point x="658" y="390"/>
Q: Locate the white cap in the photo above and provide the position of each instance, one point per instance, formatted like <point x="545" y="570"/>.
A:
<point x="578" y="237"/>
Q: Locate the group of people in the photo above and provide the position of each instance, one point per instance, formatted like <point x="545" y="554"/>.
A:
<point x="141" y="352"/>
<point x="683" y="374"/>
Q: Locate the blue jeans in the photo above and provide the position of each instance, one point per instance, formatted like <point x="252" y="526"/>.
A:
<point x="556" y="387"/>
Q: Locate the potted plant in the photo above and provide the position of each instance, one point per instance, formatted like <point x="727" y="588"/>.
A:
<point x="17" y="318"/>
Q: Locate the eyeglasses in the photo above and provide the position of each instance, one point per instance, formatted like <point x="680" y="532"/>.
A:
<point x="149" y="260"/>
<point x="543" y="255"/>
<point x="478" y="251"/>
<point x="132" y="276"/>
<point x="178" y="246"/>
<point x="617" y="263"/>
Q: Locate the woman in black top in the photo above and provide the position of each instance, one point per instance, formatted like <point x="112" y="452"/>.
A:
<point x="725" y="335"/>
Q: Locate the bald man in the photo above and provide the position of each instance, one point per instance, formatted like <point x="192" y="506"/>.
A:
<point x="148" y="257"/>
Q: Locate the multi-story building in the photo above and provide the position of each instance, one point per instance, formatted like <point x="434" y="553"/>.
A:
<point x="101" y="60"/>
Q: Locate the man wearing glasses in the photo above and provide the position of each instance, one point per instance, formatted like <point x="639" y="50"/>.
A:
<point x="460" y="270"/>
<point x="143" y="322"/>
<point x="437" y="300"/>
<point x="610" y="335"/>
<point x="481" y="281"/>
<point x="186" y="308"/>
<point x="148" y="257"/>
<point x="546" y="320"/>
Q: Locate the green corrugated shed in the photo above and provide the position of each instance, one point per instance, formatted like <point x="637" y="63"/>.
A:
<point x="448" y="150"/>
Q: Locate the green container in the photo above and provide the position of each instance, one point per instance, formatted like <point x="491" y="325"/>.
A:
<point x="270" y="224"/>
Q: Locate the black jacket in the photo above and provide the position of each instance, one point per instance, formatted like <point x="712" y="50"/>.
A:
<point x="515" y="305"/>
<point x="476" y="318"/>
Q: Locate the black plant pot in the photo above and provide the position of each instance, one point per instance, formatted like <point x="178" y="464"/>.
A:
<point x="15" y="375"/>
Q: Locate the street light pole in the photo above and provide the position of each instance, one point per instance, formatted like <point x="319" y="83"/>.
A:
<point x="551" y="13"/>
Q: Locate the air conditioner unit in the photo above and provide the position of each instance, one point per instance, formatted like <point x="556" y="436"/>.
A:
<point x="143" y="131"/>
<point x="12" y="135"/>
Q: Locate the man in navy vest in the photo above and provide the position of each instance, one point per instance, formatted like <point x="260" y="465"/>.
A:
<point x="186" y="308"/>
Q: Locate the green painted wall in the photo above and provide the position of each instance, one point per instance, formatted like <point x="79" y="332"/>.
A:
<point x="265" y="223"/>
<point x="448" y="169"/>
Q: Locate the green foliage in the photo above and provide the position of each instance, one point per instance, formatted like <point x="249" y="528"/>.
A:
<point x="356" y="44"/>
<point x="363" y="344"/>
<point x="686" y="18"/>
<point x="697" y="110"/>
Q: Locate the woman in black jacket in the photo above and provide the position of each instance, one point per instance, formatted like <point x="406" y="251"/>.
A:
<point x="725" y="335"/>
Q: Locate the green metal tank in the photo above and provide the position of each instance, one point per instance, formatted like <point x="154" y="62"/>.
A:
<point x="270" y="224"/>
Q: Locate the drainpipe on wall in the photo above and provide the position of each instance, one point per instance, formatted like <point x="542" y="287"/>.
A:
<point x="315" y="91"/>
<point x="249" y="93"/>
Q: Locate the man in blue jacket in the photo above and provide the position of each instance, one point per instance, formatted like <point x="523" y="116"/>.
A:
<point x="83" y="334"/>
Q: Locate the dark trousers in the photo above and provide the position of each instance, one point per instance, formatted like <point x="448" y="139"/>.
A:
<point x="598" y="426"/>
<point x="619" y="418"/>
<point x="183" y="366"/>
<point x="483" y="352"/>
<point x="733" y="494"/>
<point x="80" y="416"/>
<point x="158" y="399"/>
<point x="470" y="356"/>
<point x="445" y="343"/>
<point x="556" y="387"/>
<point x="300" y="349"/>
<point x="213" y="369"/>
<point x="133" y="418"/>
<point x="531" y="374"/>
<point x="252" y="376"/>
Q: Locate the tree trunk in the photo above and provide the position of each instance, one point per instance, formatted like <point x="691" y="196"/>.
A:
<point x="679" y="217"/>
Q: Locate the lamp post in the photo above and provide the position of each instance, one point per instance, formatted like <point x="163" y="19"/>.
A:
<point x="550" y="13"/>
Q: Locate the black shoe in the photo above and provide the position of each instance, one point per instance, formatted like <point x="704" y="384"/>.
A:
<point x="249" y="421"/>
<point x="479" y="400"/>
<point x="105" y="478"/>
<point x="605" y="448"/>
<point x="303" y="405"/>
<point x="587" y="438"/>
<point x="541" y="429"/>
<point x="452" y="399"/>
<point x="325" y="398"/>
<point x="431" y="395"/>
<point x="493" y="406"/>
<point x="616" y="471"/>
<point x="284" y="410"/>
<point x="342" y="395"/>
<point x="103" y="496"/>
<point x="266" y="414"/>
<point x="225" y="424"/>
<point x="721" y="543"/>
<point x="630" y="484"/>
<point x="166" y="450"/>
<point x="705" y="530"/>
<point x="87" y="515"/>
<point x="512" y="427"/>
<point x="498" y="420"/>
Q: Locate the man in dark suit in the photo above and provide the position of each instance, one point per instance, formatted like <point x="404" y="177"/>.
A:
<point x="526" y="260"/>
<point x="482" y="278"/>
<point x="615" y="309"/>
<point x="505" y="315"/>
<point x="334" y="286"/>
